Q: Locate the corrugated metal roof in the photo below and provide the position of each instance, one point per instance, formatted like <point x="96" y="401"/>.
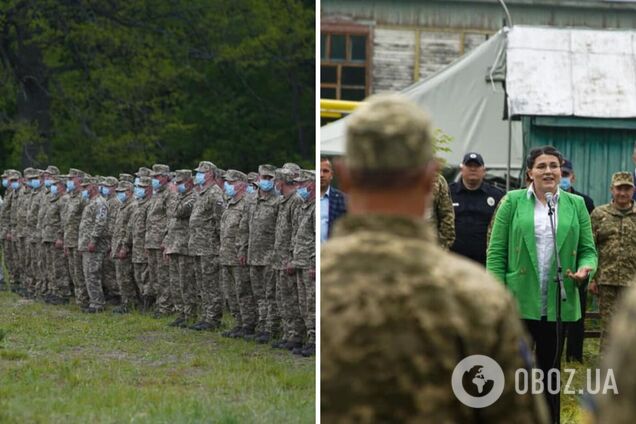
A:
<point x="571" y="72"/>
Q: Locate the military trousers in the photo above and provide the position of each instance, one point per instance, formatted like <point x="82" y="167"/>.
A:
<point x="58" y="279"/>
<point x="231" y="294"/>
<point x="609" y="299"/>
<point x="93" y="263"/>
<point x="126" y="281"/>
<point x="263" y="284"/>
<point x="293" y="324"/>
<point x="140" y="273"/>
<point x="40" y="267"/>
<point x="159" y="281"/>
<point x="183" y="285"/>
<point x="246" y="310"/>
<point x="208" y="278"/>
<point x="76" y="269"/>
<point x="307" y="280"/>
<point x="25" y="260"/>
<point x="8" y="255"/>
<point x="109" y="277"/>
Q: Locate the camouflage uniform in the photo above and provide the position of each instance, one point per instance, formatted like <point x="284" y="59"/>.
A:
<point x="304" y="261"/>
<point x="35" y="282"/>
<point x="257" y="232"/>
<point x="620" y="358"/>
<point x="399" y="312"/>
<point x="286" y="287"/>
<point x="156" y="226"/>
<point x="122" y="241"/>
<point x="203" y="246"/>
<point x="235" y="277"/>
<point x="109" y="272"/>
<point x="71" y="217"/>
<point x="615" y="238"/>
<point x="93" y="229"/>
<point x="15" y="231"/>
<point x="52" y="231"/>
<point x="182" y="282"/>
<point x="441" y="215"/>
<point x="137" y="239"/>
<point x="5" y="229"/>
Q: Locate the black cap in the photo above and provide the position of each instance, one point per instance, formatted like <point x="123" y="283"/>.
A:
<point x="567" y="165"/>
<point x="473" y="157"/>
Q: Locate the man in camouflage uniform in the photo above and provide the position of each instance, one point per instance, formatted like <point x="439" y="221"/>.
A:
<point x="58" y="289"/>
<point x="614" y="228"/>
<point x="107" y="186"/>
<point x="204" y="245"/>
<point x="156" y="227"/>
<point x="137" y="238"/>
<point x="5" y="226"/>
<point x="257" y="232"/>
<point x="93" y="242"/>
<point x="236" y="278"/>
<point x="71" y="217"/>
<point x="252" y="185"/>
<point x="121" y="247"/>
<point x="286" y="288"/>
<point x="35" y="281"/>
<point x="182" y="280"/>
<point x="303" y="265"/>
<point x="398" y="312"/>
<point x="50" y="174"/>
<point x="441" y="215"/>
<point x="126" y="177"/>
<point x="142" y="172"/>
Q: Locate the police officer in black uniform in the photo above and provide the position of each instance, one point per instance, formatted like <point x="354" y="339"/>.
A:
<point x="474" y="201"/>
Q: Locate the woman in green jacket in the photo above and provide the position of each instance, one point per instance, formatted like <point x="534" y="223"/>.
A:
<point x="521" y="255"/>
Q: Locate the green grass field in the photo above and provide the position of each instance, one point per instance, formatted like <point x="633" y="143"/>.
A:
<point x="58" y="365"/>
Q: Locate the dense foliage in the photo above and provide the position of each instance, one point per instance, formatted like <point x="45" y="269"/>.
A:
<point x="108" y="86"/>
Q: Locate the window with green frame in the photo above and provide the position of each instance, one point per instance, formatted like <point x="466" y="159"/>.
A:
<point x="344" y="63"/>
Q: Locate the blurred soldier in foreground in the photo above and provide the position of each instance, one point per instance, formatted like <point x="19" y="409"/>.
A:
<point x="399" y="313"/>
<point x="441" y="214"/>
<point x="614" y="229"/>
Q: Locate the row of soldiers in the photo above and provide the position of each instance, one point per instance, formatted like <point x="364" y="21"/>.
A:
<point x="171" y="242"/>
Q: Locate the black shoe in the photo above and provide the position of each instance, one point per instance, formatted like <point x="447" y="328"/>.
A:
<point x="204" y="326"/>
<point x="121" y="309"/>
<point x="233" y="333"/>
<point x="249" y="335"/>
<point x="94" y="310"/>
<point x="293" y="345"/>
<point x="55" y="300"/>
<point x="262" y="338"/>
<point x="309" y="350"/>
<point x="179" y="322"/>
<point x="279" y="344"/>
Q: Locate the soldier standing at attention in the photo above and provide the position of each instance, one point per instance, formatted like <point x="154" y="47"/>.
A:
<point x="72" y="216"/>
<point x="5" y="226"/>
<point x="182" y="280"/>
<point x="204" y="245"/>
<point x="136" y="237"/>
<point x="93" y="243"/>
<point x="121" y="247"/>
<point x="35" y="278"/>
<point x="107" y="188"/>
<point x="614" y="229"/>
<point x="156" y="227"/>
<point x="398" y="312"/>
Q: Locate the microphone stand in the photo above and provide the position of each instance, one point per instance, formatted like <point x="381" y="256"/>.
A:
<point x="560" y="297"/>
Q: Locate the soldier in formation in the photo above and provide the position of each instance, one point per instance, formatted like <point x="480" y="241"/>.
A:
<point x="189" y="244"/>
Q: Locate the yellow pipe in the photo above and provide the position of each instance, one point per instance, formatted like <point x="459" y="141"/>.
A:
<point x="342" y="106"/>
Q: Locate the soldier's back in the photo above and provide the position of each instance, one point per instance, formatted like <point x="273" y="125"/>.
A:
<point x="398" y="314"/>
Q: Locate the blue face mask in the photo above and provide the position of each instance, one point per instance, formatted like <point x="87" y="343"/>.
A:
<point x="140" y="193"/>
<point x="35" y="183"/>
<point x="156" y="183"/>
<point x="250" y="189"/>
<point x="181" y="188"/>
<point x="48" y="183"/>
<point x="229" y="189"/>
<point x="85" y="194"/>
<point x="70" y="185"/>
<point x="137" y="181"/>
<point x="105" y="191"/>
<point x="5" y="183"/>
<point x="121" y="196"/>
<point x="15" y="185"/>
<point x="303" y="192"/>
<point x="199" y="178"/>
<point x="565" y="183"/>
<point x="266" y="185"/>
<point x="54" y="189"/>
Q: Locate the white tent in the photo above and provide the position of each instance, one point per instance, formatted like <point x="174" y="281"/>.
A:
<point x="466" y="104"/>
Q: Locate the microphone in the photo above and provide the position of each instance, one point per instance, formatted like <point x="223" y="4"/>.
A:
<point x="549" y="197"/>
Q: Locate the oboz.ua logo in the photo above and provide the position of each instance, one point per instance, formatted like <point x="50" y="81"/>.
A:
<point x="478" y="381"/>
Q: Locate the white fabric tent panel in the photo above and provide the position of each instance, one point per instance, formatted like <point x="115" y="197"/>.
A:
<point x="534" y="38"/>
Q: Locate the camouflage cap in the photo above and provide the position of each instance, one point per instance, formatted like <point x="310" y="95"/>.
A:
<point x="159" y="169"/>
<point x="388" y="133"/>
<point x="55" y="178"/>
<point x="622" y="178"/>
<point x="124" y="186"/>
<point x="32" y="173"/>
<point x="267" y="170"/>
<point x="144" y="182"/>
<point x="76" y="173"/>
<point x="14" y="174"/>
<point x="305" y="175"/>
<point x="206" y="166"/>
<point x="232" y="175"/>
<point x="252" y="177"/>
<point x="182" y="175"/>
<point x="52" y="170"/>
<point x="285" y="175"/>
<point x="143" y="172"/>
<point x="8" y="173"/>
<point x="126" y="177"/>
<point x="90" y="181"/>
<point x="109" y="181"/>
<point x="292" y="167"/>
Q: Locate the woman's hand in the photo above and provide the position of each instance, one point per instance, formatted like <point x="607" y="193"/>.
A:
<point x="580" y="276"/>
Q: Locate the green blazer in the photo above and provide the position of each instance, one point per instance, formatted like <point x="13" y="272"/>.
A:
<point x="512" y="252"/>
